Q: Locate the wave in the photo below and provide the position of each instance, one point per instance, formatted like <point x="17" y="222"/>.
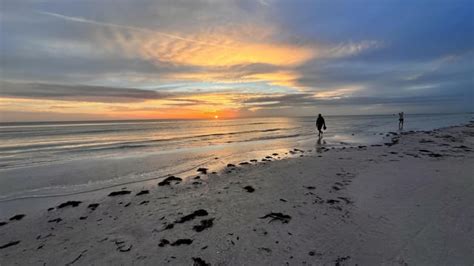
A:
<point x="277" y="137"/>
<point x="153" y="142"/>
<point x="90" y="146"/>
<point x="72" y="129"/>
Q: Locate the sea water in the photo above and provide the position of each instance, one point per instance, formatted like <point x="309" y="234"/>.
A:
<point x="65" y="158"/>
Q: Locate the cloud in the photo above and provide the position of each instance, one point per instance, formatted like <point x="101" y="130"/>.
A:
<point x="77" y="92"/>
<point x="350" y="49"/>
<point x="309" y="100"/>
<point x="219" y="47"/>
<point x="155" y="57"/>
<point x="20" y="116"/>
<point x="138" y="29"/>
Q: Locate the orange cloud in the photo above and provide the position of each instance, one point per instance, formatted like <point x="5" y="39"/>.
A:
<point x="218" y="51"/>
<point x="241" y="53"/>
<point x="281" y="78"/>
<point x="225" y="46"/>
<point x="228" y="46"/>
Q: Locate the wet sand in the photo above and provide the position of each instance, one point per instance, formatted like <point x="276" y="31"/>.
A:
<point x="406" y="201"/>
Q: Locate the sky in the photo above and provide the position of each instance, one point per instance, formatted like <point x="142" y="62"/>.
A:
<point x="174" y="59"/>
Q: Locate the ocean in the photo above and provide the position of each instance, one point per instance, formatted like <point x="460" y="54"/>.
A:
<point x="50" y="159"/>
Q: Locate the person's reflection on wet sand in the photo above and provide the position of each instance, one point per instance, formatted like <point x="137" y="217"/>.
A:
<point x="320" y="143"/>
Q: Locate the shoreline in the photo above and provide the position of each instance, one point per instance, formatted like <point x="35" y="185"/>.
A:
<point x="72" y="190"/>
<point x="272" y="212"/>
<point x="68" y="174"/>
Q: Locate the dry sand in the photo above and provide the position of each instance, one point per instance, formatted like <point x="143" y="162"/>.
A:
<point x="409" y="201"/>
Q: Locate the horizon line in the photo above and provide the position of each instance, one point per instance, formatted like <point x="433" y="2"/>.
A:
<point x="214" y="119"/>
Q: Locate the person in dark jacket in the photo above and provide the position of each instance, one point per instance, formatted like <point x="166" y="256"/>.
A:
<point x="400" y="120"/>
<point x="320" y="124"/>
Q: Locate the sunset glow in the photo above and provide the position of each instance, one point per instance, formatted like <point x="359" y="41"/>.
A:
<point x="168" y="60"/>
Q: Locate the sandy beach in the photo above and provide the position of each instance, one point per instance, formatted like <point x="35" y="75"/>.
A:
<point x="404" y="202"/>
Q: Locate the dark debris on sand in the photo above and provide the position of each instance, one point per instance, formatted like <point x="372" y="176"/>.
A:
<point x="17" y="217"/>
<point x="183" y="241"/>
<point x="332" y="201"/>
<point x="72" y="203"/>
<point x="119" y="193"/>
<point x="125" y="248"/>
<point x="169" y="226"/>
<point x="93" y="206"/>
<point x="179" y="242"/>
<point x="167" y="181"/>
<point x="277" y="216"/>
<point x="163" y="242"/>
<point x="202" y="170"/>
<point x="249" y="189"/>
<point x="189" y="217"/>
<point x="143" y="192"/>
<point x="339" y="260"/>
<point x="207" y="223"/>
<point x="200" y="262"/>
<point x="9" y="244"/>
<point x="314" y="253"/>
<point x="57" y="220"/>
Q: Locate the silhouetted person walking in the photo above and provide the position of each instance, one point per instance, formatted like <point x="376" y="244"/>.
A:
<point x="400" y="120"/>
<point x="320" y="124"/>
